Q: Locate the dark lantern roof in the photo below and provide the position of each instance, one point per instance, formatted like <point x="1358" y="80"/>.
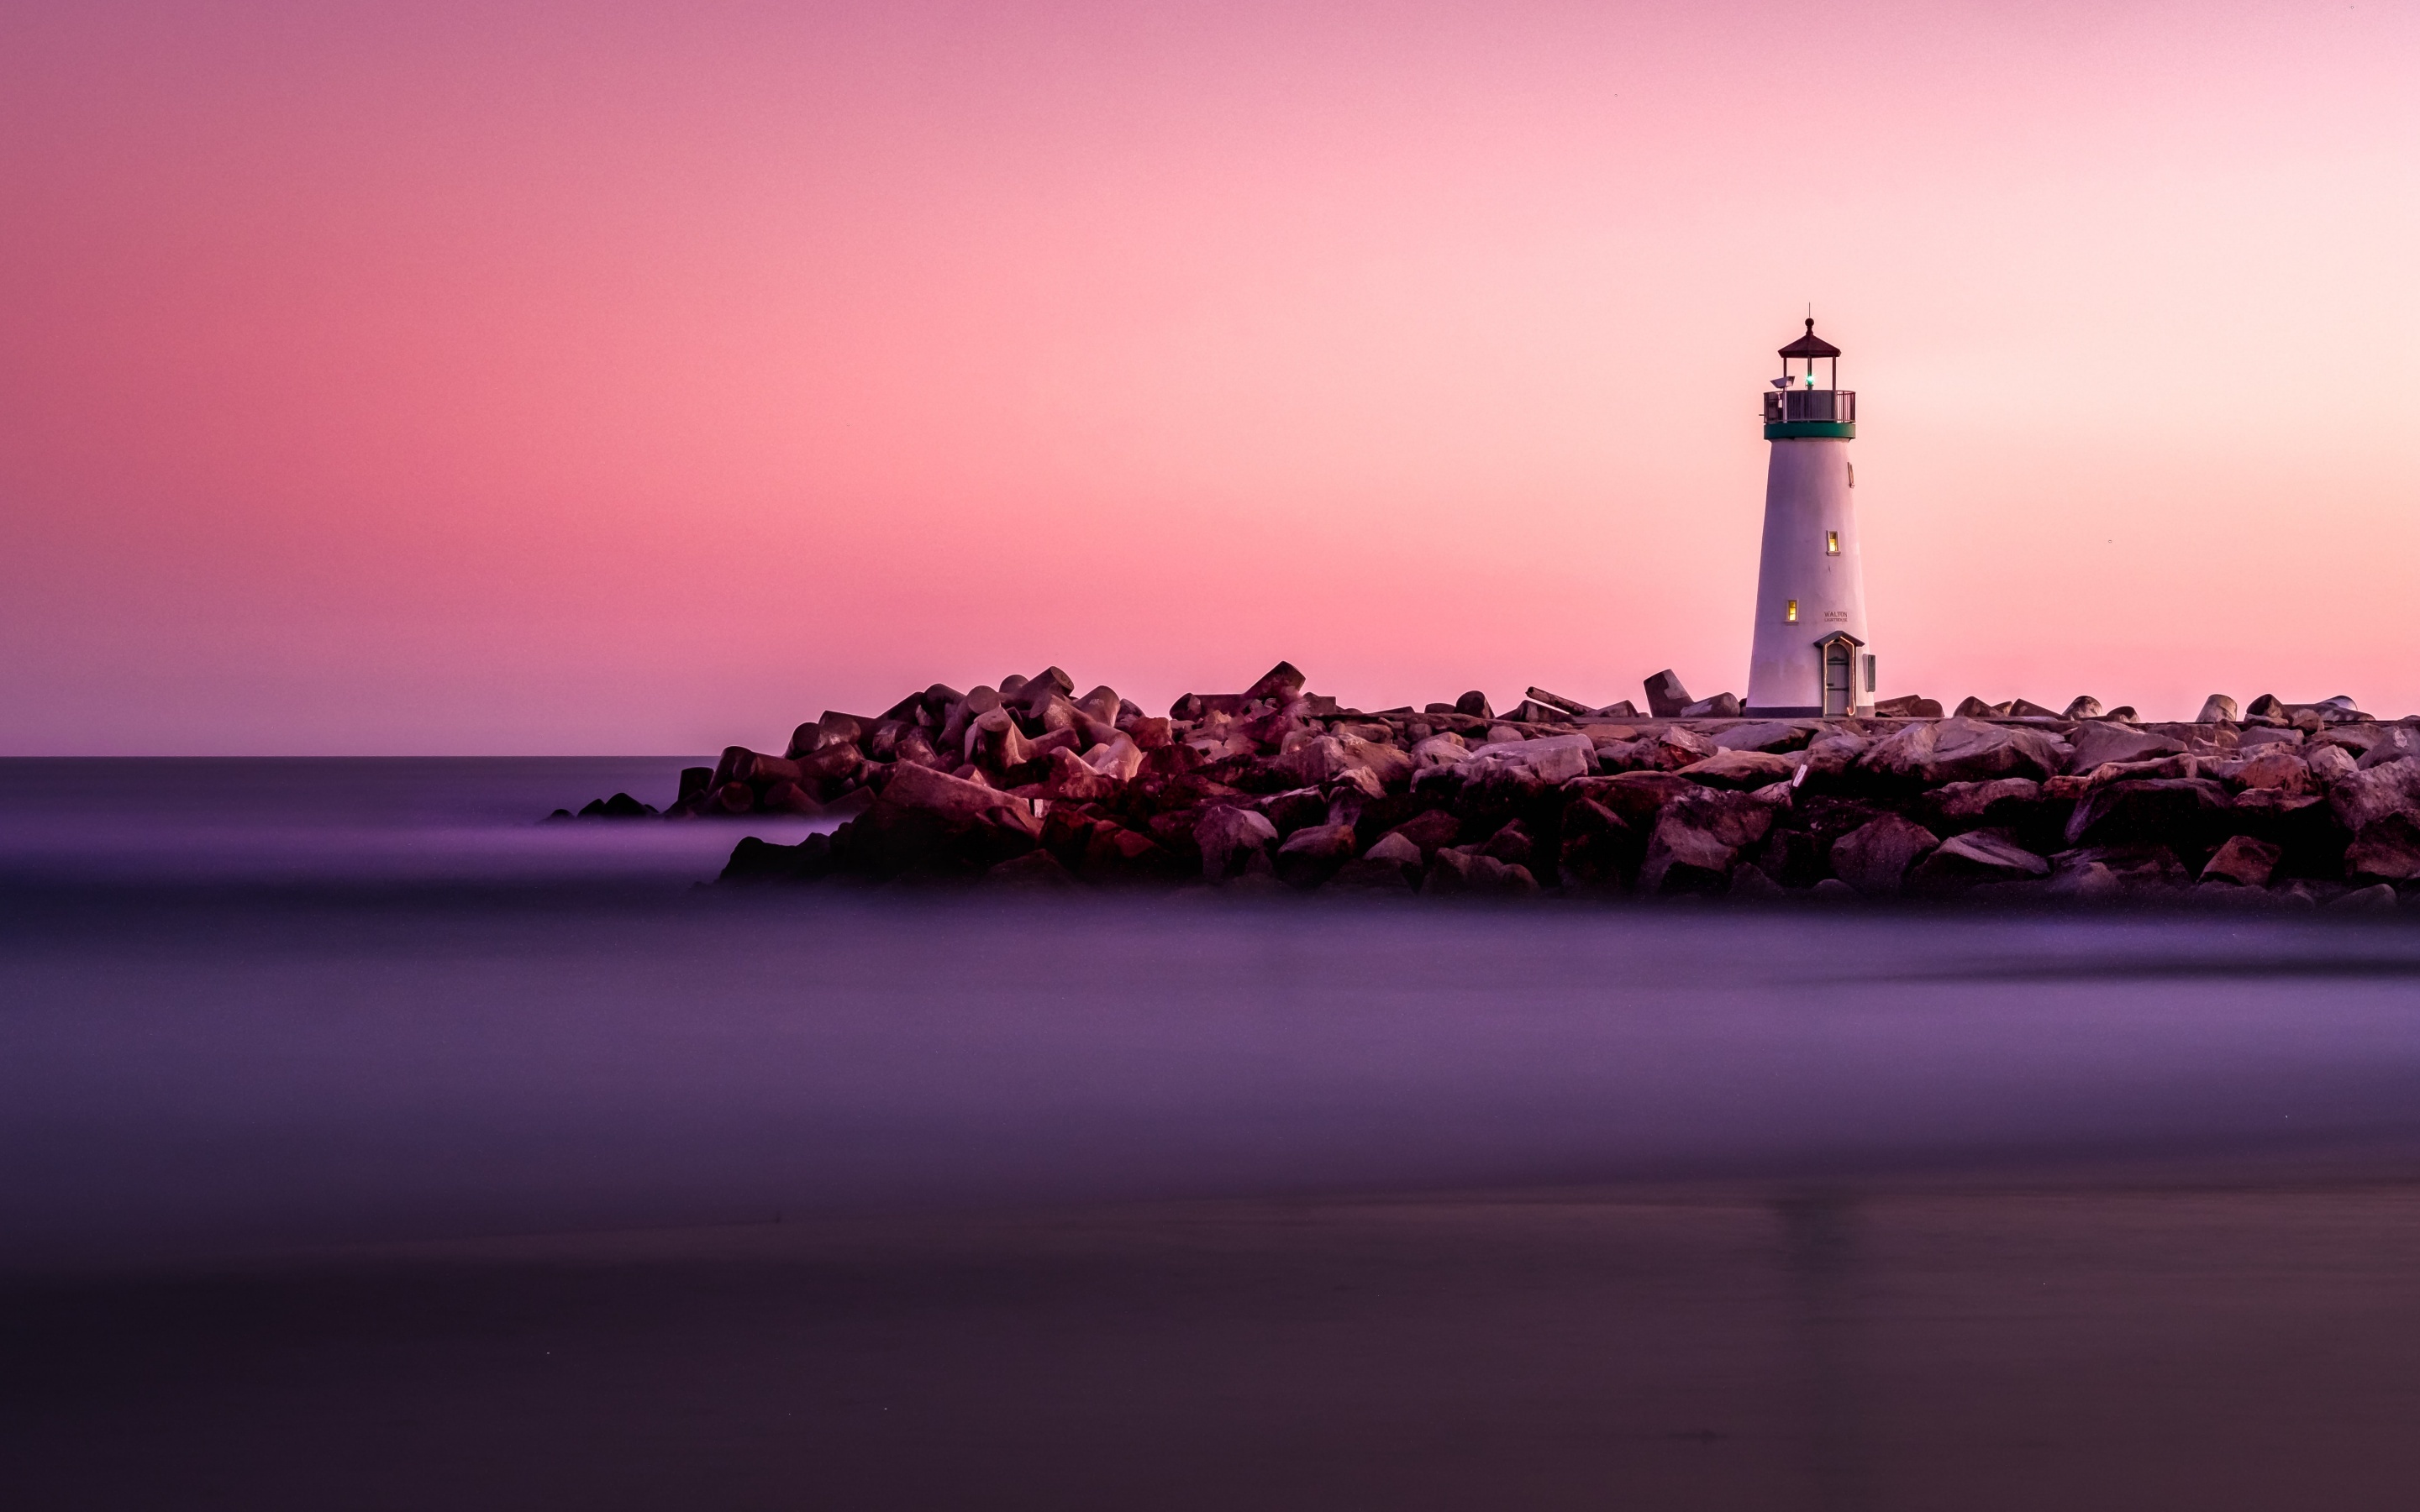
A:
<point x="1809" y="345"/>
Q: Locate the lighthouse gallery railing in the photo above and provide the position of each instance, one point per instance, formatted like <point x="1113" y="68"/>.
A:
<point x="1811" y="404"/>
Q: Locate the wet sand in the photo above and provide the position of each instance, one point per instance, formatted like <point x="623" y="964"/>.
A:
<point x="2083" y="1342"/>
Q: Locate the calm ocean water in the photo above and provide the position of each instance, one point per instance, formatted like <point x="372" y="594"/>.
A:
<point x="344" y="821"/>
<point x="287" y="1002"/>
<point x="366" y="1143"/>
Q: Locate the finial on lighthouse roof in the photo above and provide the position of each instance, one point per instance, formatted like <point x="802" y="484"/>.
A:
<point x="1809" y="345"/>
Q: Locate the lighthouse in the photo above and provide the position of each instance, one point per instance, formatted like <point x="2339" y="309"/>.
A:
<point x="1812" y="654"/>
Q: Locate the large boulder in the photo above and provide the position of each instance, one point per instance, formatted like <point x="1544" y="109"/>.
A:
<point x="1740" y="769"/>
<point x="1120" y="759"/>
<point x="2361" y="797"/>
<point x="1280" y="684"/>
<point x="1963" y="750"/>
<point x="1975" y="857"/>
<point x="1117" y="854"/>
<point x="1311" y="855"/>
<point x="915" y="749"/>
<point x="1596" y="844"/>
<point x="1467" y="870"/>
<point x="2250" y="739"/>
<point x="1749" y="884"/>
<point x="1048" y="682"/>
<point x="1149" y="733"/>
<point x="2273" y="768"/>
<point x="1830" y="755"/>
<point x="757" y="860"/>
<point x="2302" y="826"/>
<point x="1314" y="762"/>
<point x="1229" y="837"/>
<point x="2185" y="813"/>
<point x="978" y="699"/>
<point x="2182" y="765"/>
<point x="2216" y="709"/>
<point x="2245" y="861"/>
<point x="1793" y="857"/>
<point x="930" y="821"/>
<point x="782" y="797"/>
<point x="1908" y="706"/>
<point x="2330" y="764"/>
<point x="2118" y="870"/>
<point x="823" y="769"/>
<point x="2098" y="742"/>
<point x="1636" y="797"/>
<point x="1358" y="780"/>
<point x="1529" y="711"/>
<point x="1673" y="749"/>
<point x="1721" y="706"/>
<point x="1295" y="808"/>
<point x="1697" y="837"/>
<point x="735" y="765"/>
<point x="2017" y="805"/>
<point x="1070" y="780"/>
<point x="1771" y="734"/>
<point x="2378" y="897"/>
<point x="1876" y="856"/>
<point x="1045" y="709"/>
<point x="1666" y="697"/>
<point x="1390" y="765"/>
<point x="922" y="790"/>
<point x="1963" y="806"/>
<point x="1552" y="760"/>
<point x="2387" y="848"/>
<point x="1102" y="703"/>
<point x="996" y="742"/>
<point x="1513" y="845"/>
<point x="1429" y="832"/>
<point x="2394" y="744"/>
<point x="765" y="771"/>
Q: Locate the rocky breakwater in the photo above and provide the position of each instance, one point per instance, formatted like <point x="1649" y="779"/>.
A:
<point x="1278" y="789"/>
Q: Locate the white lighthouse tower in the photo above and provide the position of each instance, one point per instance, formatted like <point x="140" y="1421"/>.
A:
<point x="1812" y="654"/>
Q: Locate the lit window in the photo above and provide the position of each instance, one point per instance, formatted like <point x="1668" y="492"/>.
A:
<point x="1831" y="543"/>
<point x="1792" y="614"/>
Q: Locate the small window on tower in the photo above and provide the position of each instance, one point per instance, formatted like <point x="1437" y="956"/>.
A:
<point x="1870" y="675"/>
<point x="1831" y="543"/>
<point x="1791" y="614"/>
<point x="1852" y="474"/>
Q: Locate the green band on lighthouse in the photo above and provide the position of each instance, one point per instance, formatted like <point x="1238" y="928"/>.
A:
<point x="1782" y="430"/>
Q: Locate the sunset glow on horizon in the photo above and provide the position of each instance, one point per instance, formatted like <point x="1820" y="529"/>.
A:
<point x="537" y="378"/>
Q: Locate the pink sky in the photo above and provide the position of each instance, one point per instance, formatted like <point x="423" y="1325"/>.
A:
<point x="531" y="377"/>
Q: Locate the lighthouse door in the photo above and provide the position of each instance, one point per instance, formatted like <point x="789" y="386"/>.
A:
<point x="1840" y="695"/>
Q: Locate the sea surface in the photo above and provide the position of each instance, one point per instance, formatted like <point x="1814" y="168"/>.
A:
<point x="366" y="1142"/>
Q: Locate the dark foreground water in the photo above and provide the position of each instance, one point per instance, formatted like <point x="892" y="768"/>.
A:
<point x="363" y="1144"/>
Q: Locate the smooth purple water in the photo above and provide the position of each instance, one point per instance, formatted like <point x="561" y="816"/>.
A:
<point x="262" y="1004"/>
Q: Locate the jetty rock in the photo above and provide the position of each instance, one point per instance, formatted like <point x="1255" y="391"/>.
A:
<point x="1277" y="789"/>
